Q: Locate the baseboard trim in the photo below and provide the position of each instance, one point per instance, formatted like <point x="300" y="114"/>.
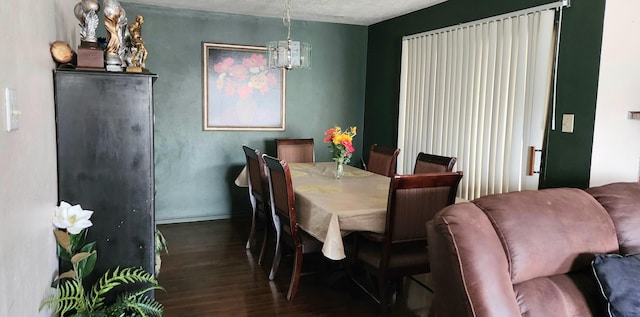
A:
<point x="191" y="219"/>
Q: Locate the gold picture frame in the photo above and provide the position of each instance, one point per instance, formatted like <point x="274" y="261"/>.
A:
<point x="240" y="92"/>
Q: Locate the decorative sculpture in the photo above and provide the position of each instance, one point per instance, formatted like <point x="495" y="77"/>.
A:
<point x="86" y="12"/>
<point x="123" y="37"/>
<point x="138" y="49"/>
<point x="125" y="47"/>
<point x="89" y="53"/>
<point x="112" y="23"/>
<point x="61" y="52"/>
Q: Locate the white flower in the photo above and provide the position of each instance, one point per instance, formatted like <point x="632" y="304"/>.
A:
<point x="72" y="218"/>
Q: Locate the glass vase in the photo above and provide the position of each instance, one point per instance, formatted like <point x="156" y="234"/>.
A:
<point x="339" y="168"/>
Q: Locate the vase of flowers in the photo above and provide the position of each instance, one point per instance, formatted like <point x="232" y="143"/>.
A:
<point x="339" y="169"/>
<point x="341" y="146"/>
<point x="71" y="298"/>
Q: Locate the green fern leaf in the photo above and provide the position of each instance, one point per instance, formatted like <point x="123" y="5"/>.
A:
<point x="133" y="305"/>
<point x="150" y="306"/>
<point x="115" y="278"/>
<point x="68" y="297"/>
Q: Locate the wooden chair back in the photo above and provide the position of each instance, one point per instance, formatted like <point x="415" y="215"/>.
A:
<point x="414" y="200"/>
<point x="281" y="190"/>
<point x="382" y="160"/>
<point x="402" y="250"/>
<point x="295" y="150"/>
<point x="284" y="216"/>
<point x="431" y="163"/>
<point x="256" y="174"/>
<point x="258" y="196"/>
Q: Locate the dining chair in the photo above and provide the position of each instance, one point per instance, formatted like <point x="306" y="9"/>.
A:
<point x="402" y="250"/>
<point x="382" y="160"/>
<point x="295" y="150"/>
<point x="258" y="196"/>
<point x="283" y="213"/>
<point x="431" y="163"/>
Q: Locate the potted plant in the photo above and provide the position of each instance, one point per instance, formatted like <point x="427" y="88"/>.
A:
<point x="71" y="298"/>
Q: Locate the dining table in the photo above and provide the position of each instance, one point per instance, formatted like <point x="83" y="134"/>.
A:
<point x="329" y="208"/>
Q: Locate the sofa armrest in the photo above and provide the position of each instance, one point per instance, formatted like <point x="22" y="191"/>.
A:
<point x="468" y="265"/>
<point x="622" y="202"/>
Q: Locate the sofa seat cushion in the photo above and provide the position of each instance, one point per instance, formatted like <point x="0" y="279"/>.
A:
<point x="573" y="294"/>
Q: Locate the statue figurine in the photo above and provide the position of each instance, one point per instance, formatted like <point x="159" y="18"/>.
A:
<point x="124" y="38"/>
<point x="138" y="49"/>
<point x="112" y="23"/>
<point x="86" y="12"/>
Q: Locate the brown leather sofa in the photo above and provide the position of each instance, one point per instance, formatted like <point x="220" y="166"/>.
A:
<point x="529" y="253"/>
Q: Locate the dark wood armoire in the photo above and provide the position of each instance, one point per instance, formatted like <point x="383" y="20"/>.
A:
<point x="104" y="133"/>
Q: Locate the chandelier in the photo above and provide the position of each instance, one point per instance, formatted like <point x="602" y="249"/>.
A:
<point x="288" y="54"/>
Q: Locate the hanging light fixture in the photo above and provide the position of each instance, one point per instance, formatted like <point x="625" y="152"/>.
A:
<point x="288" y="54"/>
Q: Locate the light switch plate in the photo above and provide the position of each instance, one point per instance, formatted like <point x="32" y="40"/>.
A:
<point x="567" y="122"/>
<point x="12" y="112"/>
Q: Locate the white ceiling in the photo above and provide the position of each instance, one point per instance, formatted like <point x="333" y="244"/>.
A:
<point x="359" y="12"/>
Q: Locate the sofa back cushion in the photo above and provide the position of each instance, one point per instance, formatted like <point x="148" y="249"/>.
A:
<point x="622" y="201"/>
<point x="550" y="231"/>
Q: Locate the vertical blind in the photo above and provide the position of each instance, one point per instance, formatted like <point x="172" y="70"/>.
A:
<point x="473" y="92"/>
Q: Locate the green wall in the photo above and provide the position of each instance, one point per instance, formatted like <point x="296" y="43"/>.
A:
<point x="568" y="159"/>
<point x="195" y="169"/>
<point x="568" y="156"/>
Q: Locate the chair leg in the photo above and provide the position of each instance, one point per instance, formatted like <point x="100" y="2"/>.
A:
<point x="382" y="293"/>
<point x="399" y="286"/>
<point x="265" y="238"/>
<point x="277" y="255"/>
<point x="295" y="275"/>
<point x="275" y="264"/>
<point x="253" y="222"/>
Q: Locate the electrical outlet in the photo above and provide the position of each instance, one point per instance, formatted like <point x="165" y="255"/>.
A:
<point x="567" y="122"/>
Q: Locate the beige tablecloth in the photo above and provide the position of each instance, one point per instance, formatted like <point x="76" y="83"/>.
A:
<point x="330" y="208"/>
<point x="242" y="180"/>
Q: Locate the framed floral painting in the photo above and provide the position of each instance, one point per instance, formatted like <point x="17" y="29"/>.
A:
<point x="239" y="91"/>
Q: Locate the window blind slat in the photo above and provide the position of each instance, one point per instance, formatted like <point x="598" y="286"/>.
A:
<point x="475" y="93"/>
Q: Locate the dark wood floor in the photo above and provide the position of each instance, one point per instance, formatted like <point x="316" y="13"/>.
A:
<point x="208" y="272"/>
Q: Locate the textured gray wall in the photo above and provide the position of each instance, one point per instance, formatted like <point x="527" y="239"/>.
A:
<point x="195" y="169"/>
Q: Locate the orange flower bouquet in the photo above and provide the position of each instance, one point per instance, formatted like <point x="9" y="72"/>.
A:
<point x="340" y="144"/>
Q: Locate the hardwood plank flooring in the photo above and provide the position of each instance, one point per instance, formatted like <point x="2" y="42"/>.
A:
<point x="208" y="272"/>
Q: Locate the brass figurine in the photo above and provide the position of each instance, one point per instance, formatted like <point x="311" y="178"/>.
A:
<point x="138" y="49"/>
